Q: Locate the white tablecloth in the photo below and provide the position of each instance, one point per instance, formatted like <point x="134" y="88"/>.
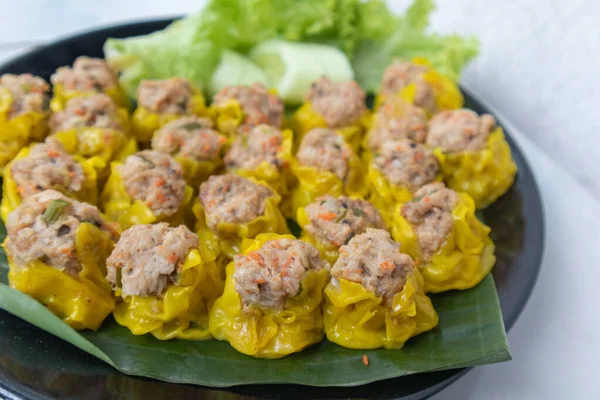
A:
<point x="539" y="68"/>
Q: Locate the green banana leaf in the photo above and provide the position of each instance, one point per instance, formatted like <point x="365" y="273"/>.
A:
<point x="470" y="332"/>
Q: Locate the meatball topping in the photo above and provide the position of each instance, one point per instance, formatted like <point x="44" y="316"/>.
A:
<point x="231" y="198"/>
<point x="148" y="256"/>
<point x="189" y="137"/>
<point x="259" y="105"/>
<point x="29" y="93"/>
<point x="47" y="166"/>
<point x="98" y="111"/>
<point x="44" y="228"/>
<point x="339" y="103"/>
<point x="407" y="163"/>
<point x="336" y="221"/>
<point x="395" y="120"/>
<point x="460" y="130"/>
<point x="374" y="260"/>
<point x="88" y="74"/>
<point x="430" y="215"/>
<point x="262" y="144"/>
<point x="166" y="96"/>
<point x="155" y="179"/>
<point x="401" y="74"/>
<point x="268" y="276"/>
<point x="324" y="149"/>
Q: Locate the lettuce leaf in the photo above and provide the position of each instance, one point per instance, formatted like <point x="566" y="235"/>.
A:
<point x="237" y="24"/>
<point x="448" y="54"/>
<point x="192" y="47"/>
<point x="235" y="69"/>
<point x="375" y="20"/>
<point x="174" y="51"/>
<point x="366" y="30"/>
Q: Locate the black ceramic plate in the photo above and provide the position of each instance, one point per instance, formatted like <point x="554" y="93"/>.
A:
<point x="37" y="365"/>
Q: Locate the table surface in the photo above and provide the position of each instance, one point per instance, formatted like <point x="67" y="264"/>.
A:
<point x="538" y="68"/>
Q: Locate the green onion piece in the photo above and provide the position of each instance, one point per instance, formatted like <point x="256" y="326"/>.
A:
<point x="54" y="210"/>
<point x="349" y="238"/>
<point x="244" y="139"/>
<point x="341" y="217"/>
<point x="192" y="126"/>
<point x="144" y="159"/>
<point x="358" y="212"/>
<point x="119" y="277"/>
<point x="175" y="277"/>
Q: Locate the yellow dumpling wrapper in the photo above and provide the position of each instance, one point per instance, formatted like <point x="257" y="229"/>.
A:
<point x="144" y="122"/>
<point x="61" y="96"/>
<point x="119" y="207"/>
<point x="266" y="333"/>
<point x="357" y="319"/>
<point x="313" y="183"/>
<point x="229" y="115"/>
<point x="11" y="198"/>
<point x="384" y="195"/>
<point x="209" y="239"/>
<point x="485" y="175"/>
<point x="328" y="251"/>
<point x="446" y="92"/>
<point x="18" y="132"/>
<point x="99" y="146"/>
<point x="81" y="303"/>
<point x="197" y="171"/>
<point x="280" y="180"/>
<point x="306" y="119"/>
<point x="466" y="257"/>
<point x="366" y="154"/>
<point x="181" y="311"/>
<point x="226" y="239"/>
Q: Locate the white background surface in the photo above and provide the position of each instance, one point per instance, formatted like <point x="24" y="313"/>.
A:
<point x="539" y="68"/>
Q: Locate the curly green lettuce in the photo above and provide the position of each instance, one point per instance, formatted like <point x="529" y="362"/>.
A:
<point x="447" y="54"/>
<point x="206" y="46"/>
